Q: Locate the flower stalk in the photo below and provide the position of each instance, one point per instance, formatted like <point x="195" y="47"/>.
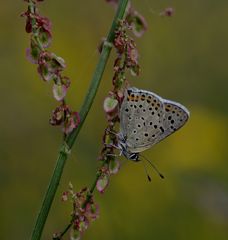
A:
<point x="71" y="137"/>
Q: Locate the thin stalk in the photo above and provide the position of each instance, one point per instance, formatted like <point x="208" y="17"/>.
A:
<point x="69" y="141"/>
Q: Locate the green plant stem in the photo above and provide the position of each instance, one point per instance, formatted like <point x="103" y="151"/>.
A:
<point x="90" y="194"/>
<point x="69" y="141"/>
<point x="65" y="230"/>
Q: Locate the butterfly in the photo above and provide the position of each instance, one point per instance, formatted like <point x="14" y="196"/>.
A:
<point x="146" y="119"/>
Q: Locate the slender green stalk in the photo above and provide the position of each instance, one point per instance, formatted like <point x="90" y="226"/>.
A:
<point x="69" y="141"/>
<point x="65" y="230"/>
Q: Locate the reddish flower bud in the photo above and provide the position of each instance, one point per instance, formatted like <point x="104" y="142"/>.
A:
<point x="135" y="70"/>
<point x="137" y="23"/>
<point x="28" y="25"/>
<point x="50" y="65"/>
<point x="133" y="55"/>
<point x="65" y="81"/>
<point x="45" y="66"/>
<point x="45" y="73"/>
<point x="58" y="62"/>
<point x="45" y="37"/>
<point x="58" y="115"/>
<point x="110" y="104"/>
<point x="92" y="211"/>
<point x="71" y="122"/>
<point x="114" y="166"/>
<point x="59" y="91"/>
<point x="65" y="196"/>
<point x="119" y="42"/>
<point x="43" y="22"/>
<point x="102" y="183"/>
<point x="168" y="12"/>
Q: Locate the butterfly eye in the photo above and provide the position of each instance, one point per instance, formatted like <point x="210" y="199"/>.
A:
<point x="134" y="156"/>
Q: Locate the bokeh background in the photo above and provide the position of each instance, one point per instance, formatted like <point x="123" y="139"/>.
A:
<point x="183" y="58"/>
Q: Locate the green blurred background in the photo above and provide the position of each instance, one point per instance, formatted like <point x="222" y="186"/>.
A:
<point x="183" y="58"/>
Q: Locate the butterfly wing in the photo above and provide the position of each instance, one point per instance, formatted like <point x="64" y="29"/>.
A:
<point x="146" y="119"/>
<point x="176" y="115"/>
<point x="140" y="118"/>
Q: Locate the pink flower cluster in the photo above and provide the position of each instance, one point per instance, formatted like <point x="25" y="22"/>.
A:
<point x="63" y="116"/>
<point x="49" y="65"/>
<point x="85" y="210"/>
<point x="133" y="18"/>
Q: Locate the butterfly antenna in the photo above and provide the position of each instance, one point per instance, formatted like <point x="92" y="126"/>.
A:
<point x="148" y="176"/>
<point x="154" y="167"/>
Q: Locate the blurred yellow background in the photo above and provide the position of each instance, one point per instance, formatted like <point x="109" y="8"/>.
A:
<point x="183" y="58"/>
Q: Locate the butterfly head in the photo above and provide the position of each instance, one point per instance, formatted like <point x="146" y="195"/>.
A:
<point x="131" y="156"/>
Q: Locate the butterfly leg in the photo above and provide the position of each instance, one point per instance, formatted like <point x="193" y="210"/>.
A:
<point x="112" y="132"/>
<point x="114" y="155"/>
<point x="111" y="145"/>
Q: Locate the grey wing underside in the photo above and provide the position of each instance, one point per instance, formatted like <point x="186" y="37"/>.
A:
<point x="146" y="122"/>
